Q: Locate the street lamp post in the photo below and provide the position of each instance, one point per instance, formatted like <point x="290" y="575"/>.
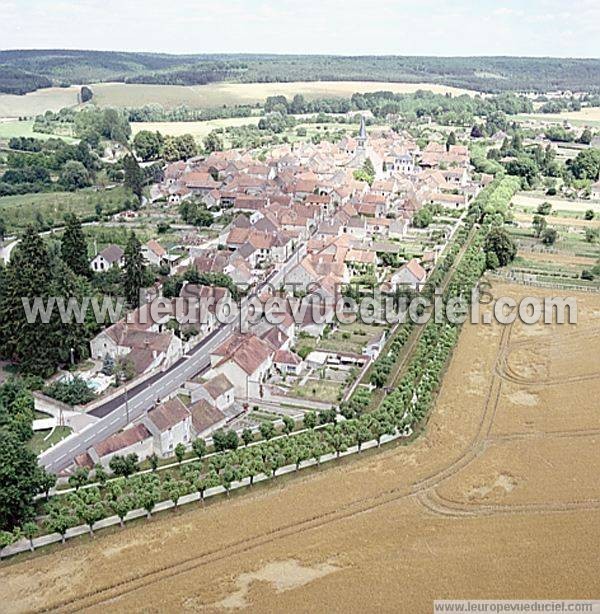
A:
<point x="126" y="399"/>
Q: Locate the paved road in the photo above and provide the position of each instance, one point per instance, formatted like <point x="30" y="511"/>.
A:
<point x="113" y="414"/>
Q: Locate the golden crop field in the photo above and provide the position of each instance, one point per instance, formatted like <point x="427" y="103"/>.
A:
<point x="197" y="129"/>
<point x="198" y="96"/>
<point x="498" y="499"/>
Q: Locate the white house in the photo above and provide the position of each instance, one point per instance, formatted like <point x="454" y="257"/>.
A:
<point x="110" y="256"/>
<point x="153" y="252"/>
<point x="170" y="424"/>
<point x="246" y="361"/>
<point x="218" y="391"/>
<point x="411" y="275"/>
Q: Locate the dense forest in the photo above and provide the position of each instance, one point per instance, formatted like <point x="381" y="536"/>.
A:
<point x="24" y="71"/>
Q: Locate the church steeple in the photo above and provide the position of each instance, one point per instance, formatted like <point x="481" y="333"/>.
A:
<point x="362" y="133"/>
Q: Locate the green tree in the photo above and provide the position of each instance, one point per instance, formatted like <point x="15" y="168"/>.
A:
<point x="73" y="248"/>
<point x="539" y="224"/>
<point x="122" y="506"/>
<point x="422" y="218"/>
<point x="451" y="140"/>
<point x="589" y="214"/>
<point x="586" y="136"/>
<point x="586" y="164"/>
<point x="267" y="430"/>
<point x="134" y="270"/>
<point x="501" y="245"/>
<point x="199" y="447"/>
<point x="544" y="208"/>
<point x="549" y="236"/>
<point x="74" y="176"/>
<point x="179" y="452"/>
<point x="59" y="521"/>
<point x="309" y="420"/>
<point x="134" y="176"/>
<point x="29" y="344"/>
<point x="79" y="478"/>
<point x="2" y="229"/>
<point x="247" y="436"/>
<point x="288" y="425"/>
<point x="100" y="474"/>
<point x="186" y="146"/>
<point x="213" y="142"/>
<point x="30" y="530"/>
<point x="153" y="461"/>
<point x="148" y="145"/>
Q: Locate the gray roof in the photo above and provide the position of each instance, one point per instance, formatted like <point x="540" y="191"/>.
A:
<point x="362" y="133"/>
<point x="112" y="253"/>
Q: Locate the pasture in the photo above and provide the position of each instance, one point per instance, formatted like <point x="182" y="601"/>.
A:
<point x="15" y="128"/>
<point x="51" y="207"/>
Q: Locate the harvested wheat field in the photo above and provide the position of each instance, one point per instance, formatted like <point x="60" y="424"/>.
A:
<point x="499" y="498"/>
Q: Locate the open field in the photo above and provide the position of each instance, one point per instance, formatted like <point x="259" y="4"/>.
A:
<point x="531" y="200"/>
<point x="198" y="130"/>
<point x="588" y="116"/>
<point x="50" y="99"/>
<point x="499" y="498"/>
<point x="198" y="96"/>
<point x="19" y="211"/>
<point x="9" y="129"/>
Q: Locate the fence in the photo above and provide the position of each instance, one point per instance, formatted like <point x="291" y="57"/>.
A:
<point x="23" y="545"/>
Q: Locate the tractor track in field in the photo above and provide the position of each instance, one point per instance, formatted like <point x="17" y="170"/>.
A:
<point x="423" y="492"/>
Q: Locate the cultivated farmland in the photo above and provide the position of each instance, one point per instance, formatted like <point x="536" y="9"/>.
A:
<point x="509" y="458"/>
<point x="198" y="96"/>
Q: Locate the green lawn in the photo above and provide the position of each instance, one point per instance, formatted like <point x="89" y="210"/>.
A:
<point x="317" y="390"/>
<point x="19" y="211"/>
<point x="39" y="443"/>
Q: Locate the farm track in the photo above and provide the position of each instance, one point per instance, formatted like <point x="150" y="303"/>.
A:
<point x="354" y="508"/>
<point x="437" y="504"/>
<point x="423" y="491"/>
<point x="506" y="372"/>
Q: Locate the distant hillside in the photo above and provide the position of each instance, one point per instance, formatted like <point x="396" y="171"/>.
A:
<point x="25" y="71"/>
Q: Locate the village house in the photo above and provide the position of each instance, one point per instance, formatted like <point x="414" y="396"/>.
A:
<point x="169" y="424"/>
<point x="410" y="275"/>
<point x="246" y="361"/>
<point x="217" y="391"/>
<point x="134" y="440"/>
<point x="154" y="253"/>
<point x="109" y="257"/>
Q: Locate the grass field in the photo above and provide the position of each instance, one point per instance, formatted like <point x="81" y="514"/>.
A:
<point x="498" y="499"/>
<point x="50" y="99"/>
<point x="198" y="96"/>
<point x="9" y="129"/>
<point x="531" y="200"/>
<point x="19" y="211"/>
<point x="589" y="116"/>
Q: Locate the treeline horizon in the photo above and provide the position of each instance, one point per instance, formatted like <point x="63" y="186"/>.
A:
<point x="23" y="71"/>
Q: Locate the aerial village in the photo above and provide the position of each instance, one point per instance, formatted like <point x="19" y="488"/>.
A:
<point x="305" y="217"/>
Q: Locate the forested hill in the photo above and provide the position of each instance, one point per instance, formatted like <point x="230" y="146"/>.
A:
<point x="24" y="71"/>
